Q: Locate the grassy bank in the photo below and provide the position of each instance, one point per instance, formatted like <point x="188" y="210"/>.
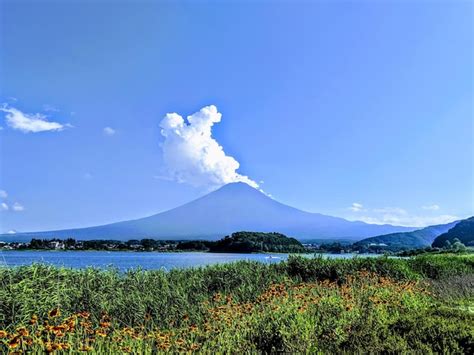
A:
<point x="329" y="305"/>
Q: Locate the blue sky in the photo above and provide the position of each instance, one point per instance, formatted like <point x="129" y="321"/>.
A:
<point x="357" y="109"/>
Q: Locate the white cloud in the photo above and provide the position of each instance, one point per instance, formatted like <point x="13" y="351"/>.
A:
<point x="391" y="211"/>
<point x="193" y="156"/>
<point x="409" y="221"/>
<point x="109" y="131"/>
<point x="356" y="207"/>
<point x="18" y="207"/>
<point x="26" y="122"/>
<point x="50" y="108"/>
<point x="11" y="231"/>
<point x="397" y="216"/>
<point x="433" y="207"/>
<point x="3" y="194"/>
<point x="4" y="206"/>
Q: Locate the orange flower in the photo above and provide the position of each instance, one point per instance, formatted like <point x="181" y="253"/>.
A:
<point x="23" y="331"/>
<point x="84" y="315"/>
<point x="54" y="313"/>
<point x="101" y="333"/>
<point x="14" y="342"/>
<point x="3" y="334"/>
<point x="104" y="324"/>
<point x="194" y="346"/>
<point x="34" y="319"/>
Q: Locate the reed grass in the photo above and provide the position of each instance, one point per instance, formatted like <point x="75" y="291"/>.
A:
<point x="302" y="305"/>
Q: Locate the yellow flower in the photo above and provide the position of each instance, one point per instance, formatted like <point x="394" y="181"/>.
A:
<point x="101" y="333"/>
<point x="3" y="334"/>
<point x="34" y="319"/>
<point x="86" y="348"/>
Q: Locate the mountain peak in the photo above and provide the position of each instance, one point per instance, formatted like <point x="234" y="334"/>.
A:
<point x="237" y="187"/>
<point x="233" y="207"/>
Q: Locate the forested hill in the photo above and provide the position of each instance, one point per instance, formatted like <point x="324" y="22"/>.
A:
<point x="464" y="231"/>
<point x="251" y="242"/>
<point x="408" y="240"/>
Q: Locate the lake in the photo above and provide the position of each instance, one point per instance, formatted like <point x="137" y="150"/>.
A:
<point x="145" y="260"/>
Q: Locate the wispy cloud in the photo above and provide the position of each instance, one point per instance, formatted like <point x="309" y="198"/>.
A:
<point x="17" y="207"/>
<point x="50" y="108"/>
<point x="109" y="131"/>
<point x="356" y="207"/>
<point x="26" y="122"/>
<point x="4" y="206"/>
<point x="410" y="221"/>
<point x="397" y="216"/>
<point x="193" y="156"/>
<point x="433" y="207"/>
<point x="3" y="194"/>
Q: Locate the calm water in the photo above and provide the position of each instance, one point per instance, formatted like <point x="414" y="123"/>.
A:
<point x="127" y="260"/>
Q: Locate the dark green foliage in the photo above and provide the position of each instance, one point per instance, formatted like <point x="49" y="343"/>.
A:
<point x="438" y="331"/>
<point x="198" y="245"/>
<point x="463" y="231"/>
<point x="250" y="242"/>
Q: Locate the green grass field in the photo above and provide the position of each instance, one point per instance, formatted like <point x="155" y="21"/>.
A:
<point x="422" y="304"/>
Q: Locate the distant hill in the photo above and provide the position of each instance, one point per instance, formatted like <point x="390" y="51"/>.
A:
<point x="408" y="240"/>
<point x="464" y="231"/>
<point x="233" y="207"/>
<point x="251" y="242"/>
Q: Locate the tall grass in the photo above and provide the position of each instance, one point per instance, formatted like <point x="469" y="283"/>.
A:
<point x="362" y="304"/>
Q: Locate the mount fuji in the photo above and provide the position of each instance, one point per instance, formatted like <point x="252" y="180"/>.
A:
<point x="233" y="207"/>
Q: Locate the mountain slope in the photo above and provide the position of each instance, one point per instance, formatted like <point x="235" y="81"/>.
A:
<point x="464" y="231"/>
<point x="231" y="208"/>
<point x="415" y="239"/>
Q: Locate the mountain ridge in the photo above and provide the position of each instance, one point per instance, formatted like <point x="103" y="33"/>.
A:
<point x="231" y="208"/>
<point x="419" y="238"/>
<point x="464" y="231"/>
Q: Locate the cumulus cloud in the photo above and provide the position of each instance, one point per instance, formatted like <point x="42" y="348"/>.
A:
<point x="193" y="156"/>
<point x="27" y="123"/>
<point x="3" y="194"/>
<point x="433" y="207"/>
<point x="18" y="207"/>
<point x="356" y="207"/>
<point x="4" y="206"/>
<point x="109" y="131"/>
